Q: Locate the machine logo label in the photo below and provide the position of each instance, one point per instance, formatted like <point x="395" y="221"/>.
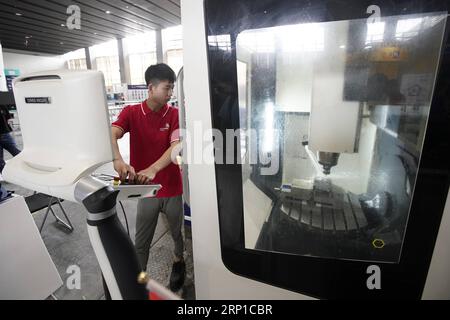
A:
<point x="38" y="100"/>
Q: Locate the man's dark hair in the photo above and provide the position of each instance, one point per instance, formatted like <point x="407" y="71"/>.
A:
<point x="159" y="72"/>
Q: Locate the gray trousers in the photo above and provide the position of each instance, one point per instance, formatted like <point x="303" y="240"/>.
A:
<point x="148" y="210"/>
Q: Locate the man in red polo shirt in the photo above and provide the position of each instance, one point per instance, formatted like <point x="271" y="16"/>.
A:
<point x="153" y="127"/>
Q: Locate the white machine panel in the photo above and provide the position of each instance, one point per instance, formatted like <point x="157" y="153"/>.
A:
<point x="26" y="269"/>
<point x="334" y="122"/>
<point x="64" y="130"/>
<point x="212" y="279"/>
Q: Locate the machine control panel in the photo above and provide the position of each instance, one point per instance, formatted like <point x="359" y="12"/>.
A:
<point x="129" y="190"/>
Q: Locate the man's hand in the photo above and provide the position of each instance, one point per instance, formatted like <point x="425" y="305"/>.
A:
<point x="146" y="176"/>
<point x="124" y="170"/>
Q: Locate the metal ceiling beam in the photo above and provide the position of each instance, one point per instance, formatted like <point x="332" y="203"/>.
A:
<point x="167" y="5"/>
<point x="21" y="33"/>
<point x="176" y="2"/>
<point x="48" y="10"/>
<point x="37" y="43"/>
<point x="95" y="15"/>
<point x="43" y="20"/>
<point x="15" y="46"/>
<point x="33" y="29"/>
<point x="47" y="18"/>
<point x="144" y="8"/>
<point x="130" y="15"/>
<point x="7" y="19"/>
<point x="6" y="33"/>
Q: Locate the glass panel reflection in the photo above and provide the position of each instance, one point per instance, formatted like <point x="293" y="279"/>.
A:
<point x="333" y="117"/>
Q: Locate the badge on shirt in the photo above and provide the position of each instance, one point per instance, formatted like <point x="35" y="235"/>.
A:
<point x="165" y="128"/>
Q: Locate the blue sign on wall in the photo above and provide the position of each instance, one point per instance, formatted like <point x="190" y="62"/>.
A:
<point x="10" y="74"/>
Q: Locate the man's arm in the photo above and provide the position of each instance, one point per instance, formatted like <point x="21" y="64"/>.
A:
<point x="147" y="175"/>
<point x="124" y="170"/>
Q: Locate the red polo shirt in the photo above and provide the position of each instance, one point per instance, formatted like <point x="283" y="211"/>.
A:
<point x="151" y="134"/>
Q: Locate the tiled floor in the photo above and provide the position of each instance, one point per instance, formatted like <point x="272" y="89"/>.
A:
<point x="74" y="248"/>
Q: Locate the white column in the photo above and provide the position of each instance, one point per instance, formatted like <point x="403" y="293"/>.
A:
<point x="3" y="86"/>
<point x="123" y="78"/>
<point x="159" y="47"/>
<point x="88" y="58"/>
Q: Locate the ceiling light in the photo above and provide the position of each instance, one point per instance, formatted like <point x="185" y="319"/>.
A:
<point x="18" y="14"/>
<point x="108" y="12"/>
<point x="63" y="25"/>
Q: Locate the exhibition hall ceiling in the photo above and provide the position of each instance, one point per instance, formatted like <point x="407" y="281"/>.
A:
<point x="60" y="26"/>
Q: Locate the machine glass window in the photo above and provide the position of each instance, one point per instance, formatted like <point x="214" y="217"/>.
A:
<point x="333" y="117"/>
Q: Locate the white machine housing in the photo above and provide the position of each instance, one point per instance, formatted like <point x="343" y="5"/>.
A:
<point x="334" y="121"/>
<point x="63" y="128"/>
<point x="212" y="278"/>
